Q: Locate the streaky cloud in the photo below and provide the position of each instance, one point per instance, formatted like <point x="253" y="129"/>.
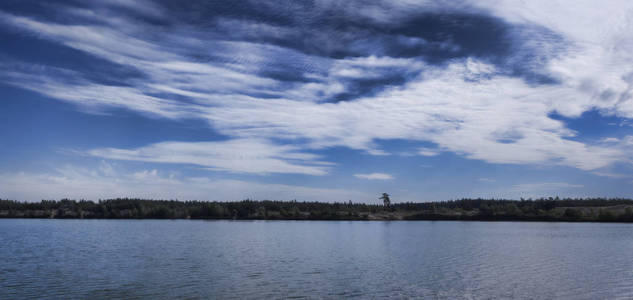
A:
<point x="374" y="176"/>
<point x="85" y="183"/>
<point x="240" y="156"/>
<point x="479" y="79"/>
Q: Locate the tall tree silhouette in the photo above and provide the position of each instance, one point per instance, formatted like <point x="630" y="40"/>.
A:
<point x="385" y="199"/>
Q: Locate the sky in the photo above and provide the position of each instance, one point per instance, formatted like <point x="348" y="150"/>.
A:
<point x="316" y="100"/>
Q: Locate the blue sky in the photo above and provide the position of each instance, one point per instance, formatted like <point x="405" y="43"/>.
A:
<point x="317" y="101"/>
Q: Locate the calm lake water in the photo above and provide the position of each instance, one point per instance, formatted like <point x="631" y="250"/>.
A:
<point x="280" y="259"/>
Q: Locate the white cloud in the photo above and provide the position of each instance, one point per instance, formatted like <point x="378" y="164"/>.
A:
<point x="374" y="176"/>
<point x="471" y="118"/>
<point x="544" y="186"/>
<point x="428" y="152"/>
<point x="81" y="183"/>
<point x="495" y="118"/>
<point x="598" y="63"/>
<point x="241" y="155"/>
<point x="610" y="140"/>
<point x="612" y="175"/>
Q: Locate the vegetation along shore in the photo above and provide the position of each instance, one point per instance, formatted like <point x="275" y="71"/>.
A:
<point x="543" y="209"/>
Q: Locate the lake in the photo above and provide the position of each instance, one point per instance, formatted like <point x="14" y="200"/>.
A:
<point x="153" y="259"/>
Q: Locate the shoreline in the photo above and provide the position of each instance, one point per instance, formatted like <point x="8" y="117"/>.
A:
<point x="492" y="210"/>
<point x="341" y="219"/>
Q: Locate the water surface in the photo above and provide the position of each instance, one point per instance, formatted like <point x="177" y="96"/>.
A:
<point x="332" y="259"/>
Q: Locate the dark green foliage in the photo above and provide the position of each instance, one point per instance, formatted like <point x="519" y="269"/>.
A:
<point x="573" y="214"/>
<point x="550" y="209"/>
<point x="606" y="215"/>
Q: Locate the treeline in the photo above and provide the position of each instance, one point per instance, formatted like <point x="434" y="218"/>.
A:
<point x="543" y="209"/>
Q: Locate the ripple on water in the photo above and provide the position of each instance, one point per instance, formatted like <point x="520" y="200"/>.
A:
<point x="235" y="260"/>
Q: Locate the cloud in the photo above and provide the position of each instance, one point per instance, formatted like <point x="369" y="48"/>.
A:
<point x="428" y="152"/>
<point x="374" y="176"/>
<point x="612" y="175"/>
<point x="81" y="183"/>
<point x="597" y="62"/>
<point x="315" y="86"/>
<point x="544" y="186"/>
<point x="610" y="140"/>
<point x="240" y="155"/>
<point x="483" y="179"/>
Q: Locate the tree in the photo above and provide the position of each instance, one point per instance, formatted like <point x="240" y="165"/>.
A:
<point x="385" y="199"/>
<point x="573" y="214"/>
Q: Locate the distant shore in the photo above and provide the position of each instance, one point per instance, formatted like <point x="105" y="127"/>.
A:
<point x="544" y="209"/>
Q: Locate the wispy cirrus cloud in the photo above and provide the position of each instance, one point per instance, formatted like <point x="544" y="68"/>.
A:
<point x="316" y="86"/>
<point x="239" y="155"/>
<point x="85" y="183"/>
<point x="374" y="176"/>
<point x="545" y="186"/>
<point x="428" y="151"/>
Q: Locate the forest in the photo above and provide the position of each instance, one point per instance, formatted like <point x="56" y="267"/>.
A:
<point x="543" y="209"/>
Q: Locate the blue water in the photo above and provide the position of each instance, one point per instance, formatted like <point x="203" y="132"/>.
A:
<point x="277" y="259"/>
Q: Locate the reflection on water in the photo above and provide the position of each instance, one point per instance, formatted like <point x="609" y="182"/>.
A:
<point x="258" y="259"/>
